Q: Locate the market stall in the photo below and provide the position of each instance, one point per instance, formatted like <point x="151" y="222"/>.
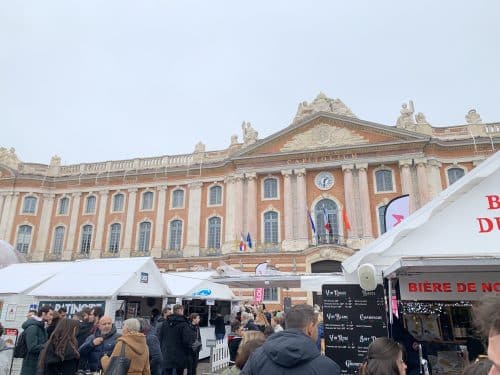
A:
<point x="439" y="261"/>
<point x="124" y="287"/>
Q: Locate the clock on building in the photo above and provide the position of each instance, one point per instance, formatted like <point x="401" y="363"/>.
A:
<point x="324" y="180"/>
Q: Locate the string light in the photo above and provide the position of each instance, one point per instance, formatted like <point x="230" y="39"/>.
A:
<point x="430" y="308"/>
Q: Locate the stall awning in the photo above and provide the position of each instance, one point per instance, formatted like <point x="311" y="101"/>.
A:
<point x="105" y="278"/>
<point x="196" y="285"/>
<point x="459" y="222"/>
<point x="22" y="277"/>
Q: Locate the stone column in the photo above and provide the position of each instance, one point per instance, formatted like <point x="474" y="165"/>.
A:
<point x="407" y="182"/>
<point x="10" y="214"/>
<point x="252" y="207"/>
<point x="230" y="235"/>
<point x="423" y="182"/>
<point x="101" y="221"/>
<point x="194" y="214"/>
<point x="350" y="205"/>
<point x="435" y="178"/>
<point x="129" y="224"/>
<point x="302" y="236"/>
<point x="2" y="199"/>
<point x="238" y="218"/>
<point x="364" y="197"/>
<point x="71" y="248"/>
<point x="287" y="218"/>
<point x="159" y="223"/>
<point x="4" y="217"/>
<point x="44" y="230"/>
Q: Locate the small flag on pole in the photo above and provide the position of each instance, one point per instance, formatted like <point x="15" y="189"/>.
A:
<point x="313" y="227"/>
<point x="243" y="246"/>
<point x="347" y="224"/>
<point x="328" y="227"/>
<point x="249" y="240"/>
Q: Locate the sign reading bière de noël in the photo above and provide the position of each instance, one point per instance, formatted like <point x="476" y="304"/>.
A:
<point x="353" y="318"/>
<point x="73" y="307"/>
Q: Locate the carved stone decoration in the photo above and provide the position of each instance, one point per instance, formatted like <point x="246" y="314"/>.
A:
<point x="9" y="157"/>
<point x="199" y="148"/>
<point x="472" y="117"/>
<point x="322" y="104"/>
<point x="55" y="161"/>
<point x="234" y="140"/>
<point x="405" y="120"/>
<point x="321" y="136"/>
<point x="420" y="118"/>
<point x="249" y="134"/>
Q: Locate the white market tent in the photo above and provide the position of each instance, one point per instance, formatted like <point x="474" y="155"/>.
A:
<point x="196" y="285"/>
<point x="105" y="278"/>
<point x="446" y="231"/>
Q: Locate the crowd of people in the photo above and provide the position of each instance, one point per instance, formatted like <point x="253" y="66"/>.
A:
<point x="259" y="343"/>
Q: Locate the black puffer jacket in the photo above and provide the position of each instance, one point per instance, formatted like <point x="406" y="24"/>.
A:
<point x="290" y="352"/>
<point x="175" y="340"/>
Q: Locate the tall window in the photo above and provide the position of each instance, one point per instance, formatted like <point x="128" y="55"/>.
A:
<point x="454" y="174"/>
<point x="90" y="204"/>
<point x="144" y="236"/>
<point x="327" y="209"/>
<point x="118" y="200"/>
<point x="23" y="238"/>
<point x="214" y="226"/>
<point x="86" y="239"/>
<point x="270" y="188"/>
<point x="58" y="240"/>
<point x="114" y="238"/>
<point x="215" y="195"/>
<point x="383" y="179"/>
<point x="29" y="205"/>
<point x="381" y="219"/>
<point x="177" y="198"/>
<point x="63" y="206"/>
<point x="174" y="242"/>
<point x="147" y="200"/>
<point x="271" y="227"/>
<point x="271" y="294"/>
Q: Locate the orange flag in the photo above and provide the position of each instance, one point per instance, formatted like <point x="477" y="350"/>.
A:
<point x="347" y="224"/>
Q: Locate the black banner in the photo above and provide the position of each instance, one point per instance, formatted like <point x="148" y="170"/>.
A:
<point x="73" y="307"/>
<point x="353" y="318"/>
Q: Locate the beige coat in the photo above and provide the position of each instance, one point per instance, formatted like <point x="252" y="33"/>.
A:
<point x="136" y="349"/>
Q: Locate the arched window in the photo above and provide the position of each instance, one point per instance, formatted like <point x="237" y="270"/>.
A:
<point x="86" y="239"/>
<point x="174" y="242"/>
<point x="144" y="236"/>
<point x="118" y="200"/>
<point x="177" y="198"/>
<point x="147" y="200"/>
<point x="383" y="179"/>
<point x="114" y="238"/>
<point x="327" y="222"/>
<point x="215" y="195"/>
<point x="455" y="174"/>
<point x="63" y="206"/>
<point x="24" y="238"/>
<point x="270" y="188"/>
<point x="214" y="226"/>
<point x="381" y="219"/>
<point x="29" y="205"/>
<point x="271" y="227"/>
<point x="57" y="246"/>
<point x="90" y="204"/>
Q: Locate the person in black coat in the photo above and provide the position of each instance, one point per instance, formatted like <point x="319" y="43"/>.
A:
<point x="292" y="351"/>
<point x="220" y="327"/>
<point x="175" y="340"/>
<point x="60" y="355"/>
<point x="155" y="356"/>
<point x="194" y="324"/>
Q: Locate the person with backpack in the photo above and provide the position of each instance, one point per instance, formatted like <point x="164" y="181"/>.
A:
<point x="35" y="336"/>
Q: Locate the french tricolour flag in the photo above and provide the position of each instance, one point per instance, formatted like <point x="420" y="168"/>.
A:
<point x="243" y="245"/>
<point x="328" y="227"/>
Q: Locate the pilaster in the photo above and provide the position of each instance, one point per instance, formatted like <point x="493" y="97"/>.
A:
<point x="129" y="224"/>
<point x="73" y="223"/>
<point x="288" y="208"/>
<point x="423" y="181"/>
<point x="101" y="218"/>
<point x="229" y="233"/>
<point x="4" y="218"/>
<point x="302" y="235"/>
<point x="41" y="246"/>
<point x="251" y="202"/>
<point x="434" y="178"/>
<point x="10" y="215"/>
<point x="159" y="223"/>
<point x="350" y="205"/>
<point x="194" y="214"/>
<point x="364" y="197"/>
<point x="407" y="182"/>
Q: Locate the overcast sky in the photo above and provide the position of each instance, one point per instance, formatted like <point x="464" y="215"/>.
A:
<point x="105" y="80"/>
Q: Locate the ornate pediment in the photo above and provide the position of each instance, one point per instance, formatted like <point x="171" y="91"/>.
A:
<point x="321" y="136"/>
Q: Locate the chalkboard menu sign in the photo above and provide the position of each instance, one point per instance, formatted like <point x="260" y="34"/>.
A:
<point x="353" y="318"/>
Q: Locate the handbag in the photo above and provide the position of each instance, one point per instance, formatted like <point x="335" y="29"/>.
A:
<point x="196" y="345"/>
<point x="118" y="365"/>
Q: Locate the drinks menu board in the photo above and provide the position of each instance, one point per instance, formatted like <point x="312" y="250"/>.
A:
<point x="353" y="318"/>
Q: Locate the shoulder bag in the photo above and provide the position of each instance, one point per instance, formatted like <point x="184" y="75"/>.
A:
<point x="118" y="365"/>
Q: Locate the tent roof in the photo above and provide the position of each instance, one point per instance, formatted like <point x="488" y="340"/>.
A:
<point x="445" y="227"/>
<point x="196" y="284"/>
<point x="21" y="277"/>
<point x="99" y="278"/>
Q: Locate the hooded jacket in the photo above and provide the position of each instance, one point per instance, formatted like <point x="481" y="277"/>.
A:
<point x="289" y="352"/>
<point x="92" y="354"/>
<point x="36" y="336"/>
<point x="136" y="350"/>
<point x="175" y="340"/>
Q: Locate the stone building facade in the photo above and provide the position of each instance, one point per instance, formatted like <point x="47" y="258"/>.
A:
<point x="193" y="210"/>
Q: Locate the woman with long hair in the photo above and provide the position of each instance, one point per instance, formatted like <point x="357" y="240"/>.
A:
<point x="385" y="357"/>
<point x="252" y="340"/>
<point x="60" y="355"/>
